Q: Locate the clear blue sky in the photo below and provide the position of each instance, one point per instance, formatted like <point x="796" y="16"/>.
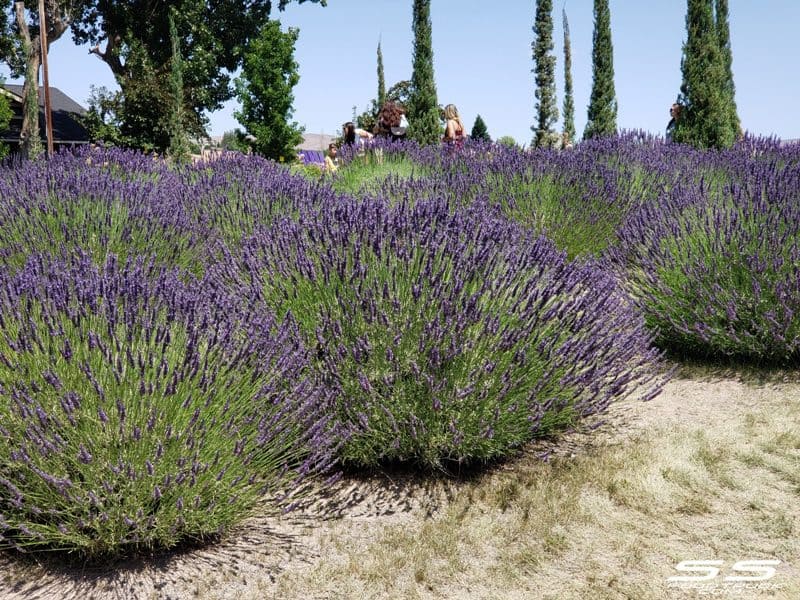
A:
<point x="482" y="61"/>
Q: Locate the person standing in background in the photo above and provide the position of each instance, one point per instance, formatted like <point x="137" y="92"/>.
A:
<point x="454" y="128"/>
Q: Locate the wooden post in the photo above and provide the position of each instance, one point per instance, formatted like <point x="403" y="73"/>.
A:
<point x="48" y="113"/>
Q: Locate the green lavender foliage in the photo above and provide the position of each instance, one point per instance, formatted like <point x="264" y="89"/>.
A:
<point x="136" y="415"/>
<point x="448" y="336"/>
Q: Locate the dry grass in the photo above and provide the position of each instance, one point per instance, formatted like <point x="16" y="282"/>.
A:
<point x="608" y="523"/>
<point x="709" y="470"/>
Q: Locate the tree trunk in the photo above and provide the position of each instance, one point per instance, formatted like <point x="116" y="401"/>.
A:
<point x="58" y="20"/>
<point x="30" y="144"/>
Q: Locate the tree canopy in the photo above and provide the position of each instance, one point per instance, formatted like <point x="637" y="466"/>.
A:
<point x="132" y="38"/>
<point x="269" y="73"/>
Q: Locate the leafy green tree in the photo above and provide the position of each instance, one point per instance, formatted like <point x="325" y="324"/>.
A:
<point x="381" y="79"/>
<point x="130" y="36"/>
<point x="103" y="118"/>
<point x="602" y="113"/>
<point x="569" y="100"/>
<point x="507" y="140"/>
<point x="479" y="131"/>
<point x="5" y="117"/>
<point x="235" y="140"/>
<point x="269" y="73"/>
<point x="705" y="120"/>
<point x="545" y="70"/>
<point x="424" y="120"/>
<point x="723" y="30"/>
<point x="367" y="119"/>
<point x="401" y="93"/>
<point x="178" y="140"/>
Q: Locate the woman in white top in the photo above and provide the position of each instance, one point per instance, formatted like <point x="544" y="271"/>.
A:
<point x="351" y="134"/>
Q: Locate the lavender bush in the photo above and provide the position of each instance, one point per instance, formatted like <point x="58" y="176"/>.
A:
<point x="367" y="168"/>
<point x="106" y="201"/>
<point x="137" y="413"/>
<point x="233" y="195"/>
<point x="447" y="335"/>
<point x="577" y="198"/>
<point x="716" y="268"/>
<point x="100" y="202"/>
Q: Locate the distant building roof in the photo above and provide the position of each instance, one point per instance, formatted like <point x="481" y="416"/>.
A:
<point x="315" y="141"/>
<point x="66" y="127"/>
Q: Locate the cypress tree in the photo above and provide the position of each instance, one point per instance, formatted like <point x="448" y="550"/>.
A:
<point x="569" y="101"/>
<point x="479" y="131"/>
<point x="424" y="123"/>
<point x="723" y="31"/>
<point x="705" y="120"/>
<point x="602" y="113"/>
<point x="381" y="79"/>
<point x="178" y="140"/>
<point x="545" y="67"/>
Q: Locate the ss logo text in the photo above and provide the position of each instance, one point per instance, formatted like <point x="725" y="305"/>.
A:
<point x="708" y="570"/>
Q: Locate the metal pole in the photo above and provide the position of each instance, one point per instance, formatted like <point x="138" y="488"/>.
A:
<point x="48" y="113"/>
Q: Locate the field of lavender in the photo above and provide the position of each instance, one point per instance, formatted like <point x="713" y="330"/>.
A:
<point x="179" y="345"/>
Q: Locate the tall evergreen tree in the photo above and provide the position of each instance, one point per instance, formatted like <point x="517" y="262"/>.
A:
<point x="178" y="139"/>
<point x="705" y="120"/>
<point x="723" y="30"/>
<point x="381" y="79"/>
<point x="545" y="70"/>
<point x="602" y="113"/>
<point x="479" y="131"/>
<point x="424" y="122"/>
<point x="569" y="100"/>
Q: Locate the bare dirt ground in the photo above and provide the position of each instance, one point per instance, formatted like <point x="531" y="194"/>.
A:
<point x="708" y="470"/>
